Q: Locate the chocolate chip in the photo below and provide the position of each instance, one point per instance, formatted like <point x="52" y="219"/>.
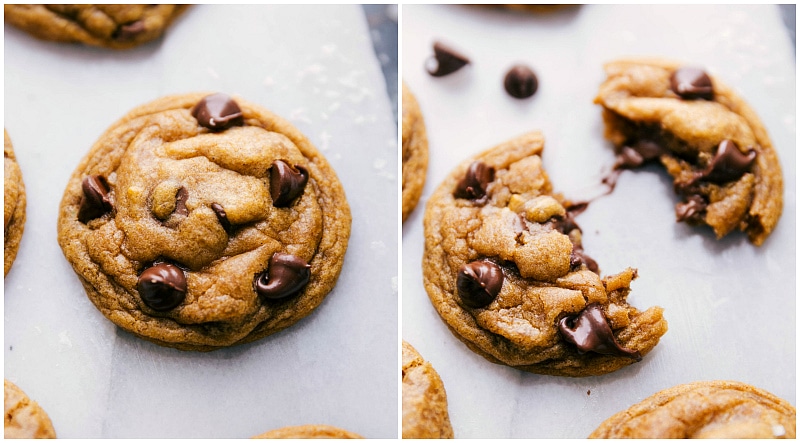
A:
<point x="578" y="257"/>
<point x="521" y="82"/>
<point x="638" y="153"/>
<point x="217" y="112"/>
<point x="691" y="209"/>
<point x="445" y="60"/>
<point x="691" y="83"/>
<point x="728" y="163"/>
<point x="479" y="283"/>
<point x="221" y="216"/>
<point x="590" y="331"/>
<point x="129" y="31"/>
<point x="162" y="286"/>
<point x="180" y="201"/>
<point x="96" y="200"/>
<point x="474" y="184"/>
<point x="286" y="183"/>
<point x="287" y="274"/>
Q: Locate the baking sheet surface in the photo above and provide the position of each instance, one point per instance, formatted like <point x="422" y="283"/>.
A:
<point x="730" y="306"/>
<point x="315" y="66"/>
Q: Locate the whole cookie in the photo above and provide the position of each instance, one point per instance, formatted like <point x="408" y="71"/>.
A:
<point x="200" y="221"/>
<point x="424" y="399"/>
<point x="415" y="152"/>
<point x="111" y="26"/>
<point x="13" y="204"/>
<point x="504" y="267"/>
<point x="724" y="166"/>
<point x="309" y="431"/>
<point x="706" y="409"/>
<point x="24" y="417"/>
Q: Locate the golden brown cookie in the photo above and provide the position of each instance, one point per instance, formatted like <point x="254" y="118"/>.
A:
<point x="424" y="399"/>
<point x="724" y="166"/>
<point x="309" y="431"/>
<point x="24" y="417"/>
<point x="201" y="221"/>
<point x="706" y="409"/>
<point x="111" y="26"/>
<point x="505" y="269"/>
<point x="415" y="152"/>
<point x="13" y="204"/>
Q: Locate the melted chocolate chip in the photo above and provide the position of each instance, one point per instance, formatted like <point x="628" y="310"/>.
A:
<point x="96" y="200"/>
<point x="286" y="183"/>
<point x="691" y="83"/>
<point x="521" y="82"/>
<point x="479" y="283"/>
<point x="221" y="216"/>
<point x="445" y="60"/>
<point x="162" y="286"/>
<point x="473" y="185"/>
<point x="287" y="275"/>
<point x="129" y="31"/>
<point x="578" y="257"/>
<point x="590" y="331"/>
<point x="638" y="153"/>
<point x="692" y="209"/>
<point x="218" y="112"/>
<point x="728" y="163"/>
<point x="180" y="201"/>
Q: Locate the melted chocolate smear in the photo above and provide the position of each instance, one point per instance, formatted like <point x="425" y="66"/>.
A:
<point x="728" y="163"/>
<point x="589" y="331"/>
<point x="445" y="60"/>
<point x="691" y="210"/>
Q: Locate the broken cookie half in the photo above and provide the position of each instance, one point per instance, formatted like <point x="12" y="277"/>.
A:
<point x="505" y="269"/>
<point x="723" y="164"/>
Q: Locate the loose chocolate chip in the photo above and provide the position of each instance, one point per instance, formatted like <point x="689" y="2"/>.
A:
<point x="221" y="216"/>
<point x="217" y="112"/>
<point x="728" y="163"/>
<point x="129" y="31"/>
<point x="96" y="200"/>
<point x="286" y="183"/>
<point x="162" y="286"/>
<point x="590" y="331"/>
<point x="180" y="201"/>
<point x="691" y="209"/>
<point x="691" y="83"/>
<point x="287" y="275"/>
<point x="479" y="283"/>
<point x="474" y="184"/>
<point x="521" y="82"/>
<point x="445" y="60"/>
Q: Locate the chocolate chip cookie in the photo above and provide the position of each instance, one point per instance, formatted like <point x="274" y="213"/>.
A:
<point x="24" y="417"/>
<point x="424" y="399"/>
<point x="707" y="409"/>
<point x="201" y="221"/>
<point x="505" y="268"/>
<point x="111" y="26"/>
<point x="309" y="431"/>
<point x="13" y="204"/>
<point x="723" y="164"/>
<point x="415" y="152"/>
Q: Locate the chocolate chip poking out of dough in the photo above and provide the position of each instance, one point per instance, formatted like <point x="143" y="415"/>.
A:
<point x="474" y="184"/>
<point x="162" y="286"/>
<point x="589" y="331"/>
<point x="222" y="216"/>
<point x="96" y="200"/>
<point x="218" y="112"/>
<point x="479" y="283"/>
<point x="287" y="275"/>
<point x="445" y="60"/>
<point x="521" y="82"/>
<point x="129" y="31"/>
<point x="286" y="183"/>
<point x="728" y="163"/>
<point x="691" y="83"/>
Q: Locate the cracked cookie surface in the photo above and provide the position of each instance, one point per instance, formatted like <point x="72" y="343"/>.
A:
<point x="111" y="26"/>
<point x="504" y="267"/>
<point x="425" y="412"/>
<point x="202" y="221"/>
<point x="723" y="164"/>
<point x="24" y="418"/>
<point x="415" y="152"/>
<point x="707" y="409"/>
<point x="14" y="203"/>
<point x="309" y="431"/>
